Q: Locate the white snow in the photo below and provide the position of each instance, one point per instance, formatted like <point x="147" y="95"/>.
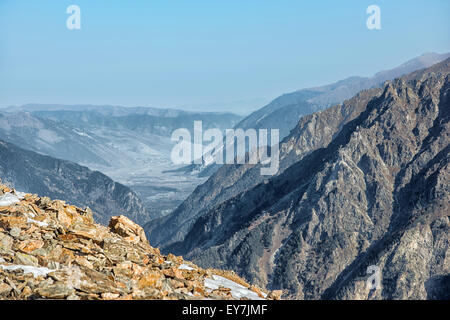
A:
<point x="237" y="291"/>
<point x="39" y="223"/>
<point x="36" y="271"/>
<point x="8" y="199"/>
<point x="29" y="214"/>
<point x="185" y="267"/>
<point x="81" y="133"/>
<point x="21" y="195"/>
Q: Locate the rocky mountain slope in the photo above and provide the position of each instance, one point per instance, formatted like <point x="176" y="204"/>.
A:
<point x="363" y="183"/>
<point x="60" y="179"/>
<point x="52" y="250"/>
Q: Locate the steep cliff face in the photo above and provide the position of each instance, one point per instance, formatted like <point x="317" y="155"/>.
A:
<point x="53" y="250"/>
<point x="364" y="183"/>
<point x="60" y="179"/>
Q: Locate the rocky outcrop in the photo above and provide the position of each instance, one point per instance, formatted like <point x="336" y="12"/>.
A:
<point x="362" y="184"/>
<point x="53" y="250"/>
<point x="60" y="179"/>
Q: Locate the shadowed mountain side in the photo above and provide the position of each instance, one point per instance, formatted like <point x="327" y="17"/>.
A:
<point x="59" y="179"/>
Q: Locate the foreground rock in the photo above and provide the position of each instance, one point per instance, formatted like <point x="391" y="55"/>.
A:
<point x="52" y="250"/>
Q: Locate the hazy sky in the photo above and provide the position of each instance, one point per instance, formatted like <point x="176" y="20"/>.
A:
<point x="209" y="54"/>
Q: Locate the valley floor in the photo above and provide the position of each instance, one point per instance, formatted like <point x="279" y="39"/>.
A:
<point x="160" y="191"/>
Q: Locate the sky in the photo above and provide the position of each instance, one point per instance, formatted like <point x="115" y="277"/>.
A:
<point x="210" y="55"/>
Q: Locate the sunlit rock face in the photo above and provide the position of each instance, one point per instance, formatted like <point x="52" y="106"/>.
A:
<point x="53" y="250"/>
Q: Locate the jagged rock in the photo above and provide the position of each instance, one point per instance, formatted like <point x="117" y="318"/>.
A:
<point x="14" y="232"/>
<point x="52" y="250"/>
<point x="275" y="294"/>
<point x="4" y="289"/>
<point x="127" y="229"/>
<point x="55" y="291"/>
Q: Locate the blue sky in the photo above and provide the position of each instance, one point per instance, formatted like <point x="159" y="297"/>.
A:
<point x="213" y="55"/>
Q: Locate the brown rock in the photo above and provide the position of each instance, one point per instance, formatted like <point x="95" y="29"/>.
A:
<point x="28" y="246"/>
<point x="82" y="230"/>
<point x="173" y="272"/>
<point x="64" y="218"/>
<point x="44" y="202"/>
<point x="9" y="222"/>
<point x="26" y="292"/>
<point x="25" y="259"/>
<point x="275" y="294"/>
<point x="150" y="279"/>
<point x="81" y="261"/>
<point x="110" y="296"/>
<point x="89" y="261"/>
<point x="257" y="290"/>
<point x="127" y="228"/>
<point x="55" y="291"/>
<point x="4" y="289"/>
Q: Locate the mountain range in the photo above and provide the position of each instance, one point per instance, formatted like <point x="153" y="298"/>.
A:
<point x="285" y="111"/>
<point x="96" y="135"/>
<point x="130" y="145"/>
<point x="363" y="183"/>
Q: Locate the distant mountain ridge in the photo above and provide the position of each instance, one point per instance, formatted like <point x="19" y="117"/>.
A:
<point x="85" y="133"/>
<point x="284" y="112"/>
<point x="131" y="145"/>
<point x="108" y="109"/>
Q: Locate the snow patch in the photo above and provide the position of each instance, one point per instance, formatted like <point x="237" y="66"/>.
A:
<point x="39" y="223"/>
<point x="8" y="199"/>
<point x="81" y="133"/>
<point x="29" y="214"/>
<point x="185" y="267"/>
<point x="21" y="195"/>
<point x="36" y="271"/>
<point x="237" y="291"/>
